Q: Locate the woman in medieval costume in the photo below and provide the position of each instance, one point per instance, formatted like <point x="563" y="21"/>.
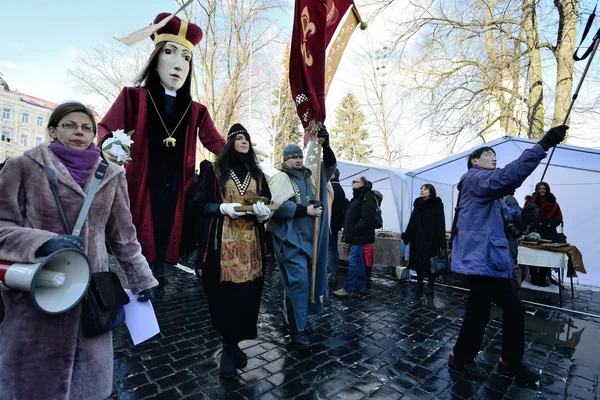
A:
<point x="166" y="124"/>
<point x="47" y="356"/>
<point x="234" y="250"/>
<point x="549" y="218"/>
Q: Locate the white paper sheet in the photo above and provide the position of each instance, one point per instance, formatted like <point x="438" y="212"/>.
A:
<point x="140" y="319"/>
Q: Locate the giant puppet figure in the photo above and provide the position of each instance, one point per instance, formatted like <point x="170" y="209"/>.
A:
<point x="166" y="124"/>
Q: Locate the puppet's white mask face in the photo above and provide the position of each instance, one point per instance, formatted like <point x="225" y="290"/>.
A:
<point x="173" y="66"/>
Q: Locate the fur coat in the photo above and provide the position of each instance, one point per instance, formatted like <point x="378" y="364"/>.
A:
<point x="43" y="356"/>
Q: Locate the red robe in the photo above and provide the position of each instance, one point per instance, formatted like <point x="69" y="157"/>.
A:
<point x="129" y="112"/>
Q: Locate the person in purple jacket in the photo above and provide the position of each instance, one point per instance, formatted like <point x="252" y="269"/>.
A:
<point x="480" y="251"/>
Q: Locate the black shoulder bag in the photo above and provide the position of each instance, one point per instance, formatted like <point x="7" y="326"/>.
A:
<point x="102" y="306"/>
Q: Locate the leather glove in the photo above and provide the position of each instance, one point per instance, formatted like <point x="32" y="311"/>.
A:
<point x="529" y="213"/>
<point x="553" y="137"/>
<point x="146" y="295"/>
<point x="228" y="209"/>
<point x="316" y="203"/>
<point x="58" y="243"/>
<point x="261" y="211"/>
<point x="323" y="134"/>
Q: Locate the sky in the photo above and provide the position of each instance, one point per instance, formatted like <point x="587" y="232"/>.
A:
<point x="40" y="39"/>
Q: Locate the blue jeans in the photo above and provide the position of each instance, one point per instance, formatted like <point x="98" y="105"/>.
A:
<point x="357" y="278"/>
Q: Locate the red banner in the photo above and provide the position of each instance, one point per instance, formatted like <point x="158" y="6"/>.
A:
<point x="315" y="23"/>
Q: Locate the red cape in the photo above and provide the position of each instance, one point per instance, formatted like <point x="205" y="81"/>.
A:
<point x="129" y="112"/>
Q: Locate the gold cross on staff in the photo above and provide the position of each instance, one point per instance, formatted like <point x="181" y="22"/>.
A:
<point x="169" y="142"/>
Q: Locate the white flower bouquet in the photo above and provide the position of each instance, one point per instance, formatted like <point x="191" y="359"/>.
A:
<point x="119" y="145"/>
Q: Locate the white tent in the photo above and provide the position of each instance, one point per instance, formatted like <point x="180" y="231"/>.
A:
<point x="573" y="176"/>
<point x="391" y="182"/>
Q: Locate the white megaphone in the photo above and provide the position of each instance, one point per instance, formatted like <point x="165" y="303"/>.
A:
<point x="56" y="284"/>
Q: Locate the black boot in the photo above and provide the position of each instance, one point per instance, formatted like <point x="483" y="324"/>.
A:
<point x="227" y="368"/>
<point x="240" y="358"/>
<point x="429" y="288"/>
<point x="300" y="341"/>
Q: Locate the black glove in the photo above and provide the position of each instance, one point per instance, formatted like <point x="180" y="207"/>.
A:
<point x="553" y="137"/>
<point x="58" y="243"/>
<point x="146" y="295"/>
<point x="529" y="213"/>
<point x="316" y="203"/>
<point x="323" y="134"/>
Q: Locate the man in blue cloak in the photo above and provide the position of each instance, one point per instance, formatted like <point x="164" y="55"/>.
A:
<point x="293" y="190"/>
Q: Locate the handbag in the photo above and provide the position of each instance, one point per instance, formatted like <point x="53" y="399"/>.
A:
<point x="439" y="265"/>
<point x="102" y="306"/>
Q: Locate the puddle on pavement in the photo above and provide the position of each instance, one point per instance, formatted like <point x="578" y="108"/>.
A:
<point x="581" y="336"/>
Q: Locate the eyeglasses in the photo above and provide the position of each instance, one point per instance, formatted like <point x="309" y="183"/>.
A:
<point x="72" y="127"/>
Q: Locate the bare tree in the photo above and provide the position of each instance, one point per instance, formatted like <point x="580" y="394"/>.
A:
<point x="477" y="64"/>
<point x="105" y="69"/>
<point x="384" y="105"/>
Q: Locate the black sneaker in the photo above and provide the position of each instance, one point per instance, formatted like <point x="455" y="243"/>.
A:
<point x="472" y="369"/>
<point x="301" y="342"/>
<point x="521" y="370"/>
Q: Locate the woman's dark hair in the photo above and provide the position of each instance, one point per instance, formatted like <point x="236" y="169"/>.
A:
<point x="432" y="192"/>
<point x="65" y="109"/>
<point x="149" y="77"/>
<point x="477" y="153"/>
<point x="227" y="157"/>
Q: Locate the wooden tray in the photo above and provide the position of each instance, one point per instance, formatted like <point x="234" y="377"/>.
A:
<point x="271" y="207"/>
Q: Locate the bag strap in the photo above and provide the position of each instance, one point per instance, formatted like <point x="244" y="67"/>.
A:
<point x="455" y="220"/>
<point x="51" y="175"/>
<point x="98" y="176"/>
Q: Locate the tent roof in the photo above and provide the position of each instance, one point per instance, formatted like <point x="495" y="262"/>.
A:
<point x="509" y="148"/>
<point x="377" y="174"/>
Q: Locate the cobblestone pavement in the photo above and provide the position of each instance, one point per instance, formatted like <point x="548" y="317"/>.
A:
<point x="388" y="344"/>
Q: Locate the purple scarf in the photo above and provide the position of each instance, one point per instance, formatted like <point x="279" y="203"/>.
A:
<point x="78" y="162"/>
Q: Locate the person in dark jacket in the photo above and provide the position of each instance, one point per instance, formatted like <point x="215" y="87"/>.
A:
<point x="480" y="251"/>
<point x="234" y="251"/>
<point x="549" y="218"/>
<point x="425" y="232"/>
<point x="359" y="230"/>
<point x="338" y="210"/>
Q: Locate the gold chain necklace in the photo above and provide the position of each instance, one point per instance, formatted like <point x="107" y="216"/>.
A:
<point x="169" y="141"/>
<point x="241" y="187"/>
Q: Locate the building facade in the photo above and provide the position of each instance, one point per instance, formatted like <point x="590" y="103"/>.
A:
<point x="23" y="120"/>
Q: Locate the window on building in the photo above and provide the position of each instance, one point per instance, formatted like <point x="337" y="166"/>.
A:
<point x="24" y="139"/>
<point x="6" y="113"/>
<point x="39" y="121"/>
<point x="38" y="140"/>
<point x="25" y="118"/>
<point x="5" y="136"/>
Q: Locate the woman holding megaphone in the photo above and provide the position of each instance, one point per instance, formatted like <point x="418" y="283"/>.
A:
<point x="46" y="356"/>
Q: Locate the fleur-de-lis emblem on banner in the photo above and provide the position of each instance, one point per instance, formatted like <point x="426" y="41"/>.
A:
<point x="308" y="29"/>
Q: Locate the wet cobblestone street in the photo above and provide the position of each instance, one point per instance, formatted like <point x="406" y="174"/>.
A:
<point x="388" y="344"/>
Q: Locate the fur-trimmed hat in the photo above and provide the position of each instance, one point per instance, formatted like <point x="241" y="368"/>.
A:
<point x="181" y="32"/>
<point x="236" y="129"/>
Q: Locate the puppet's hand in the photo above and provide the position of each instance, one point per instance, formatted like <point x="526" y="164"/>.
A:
<point x="107" y="155"/>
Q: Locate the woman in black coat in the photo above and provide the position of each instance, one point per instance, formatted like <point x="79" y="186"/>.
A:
<point x="425" y="233"/>
<point x="233" y="257"/>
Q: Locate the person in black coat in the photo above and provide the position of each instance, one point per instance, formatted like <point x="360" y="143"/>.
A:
<point x="425" y="233"/>
<point x="359" y="229"/>
<point x="338" y="211"/>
